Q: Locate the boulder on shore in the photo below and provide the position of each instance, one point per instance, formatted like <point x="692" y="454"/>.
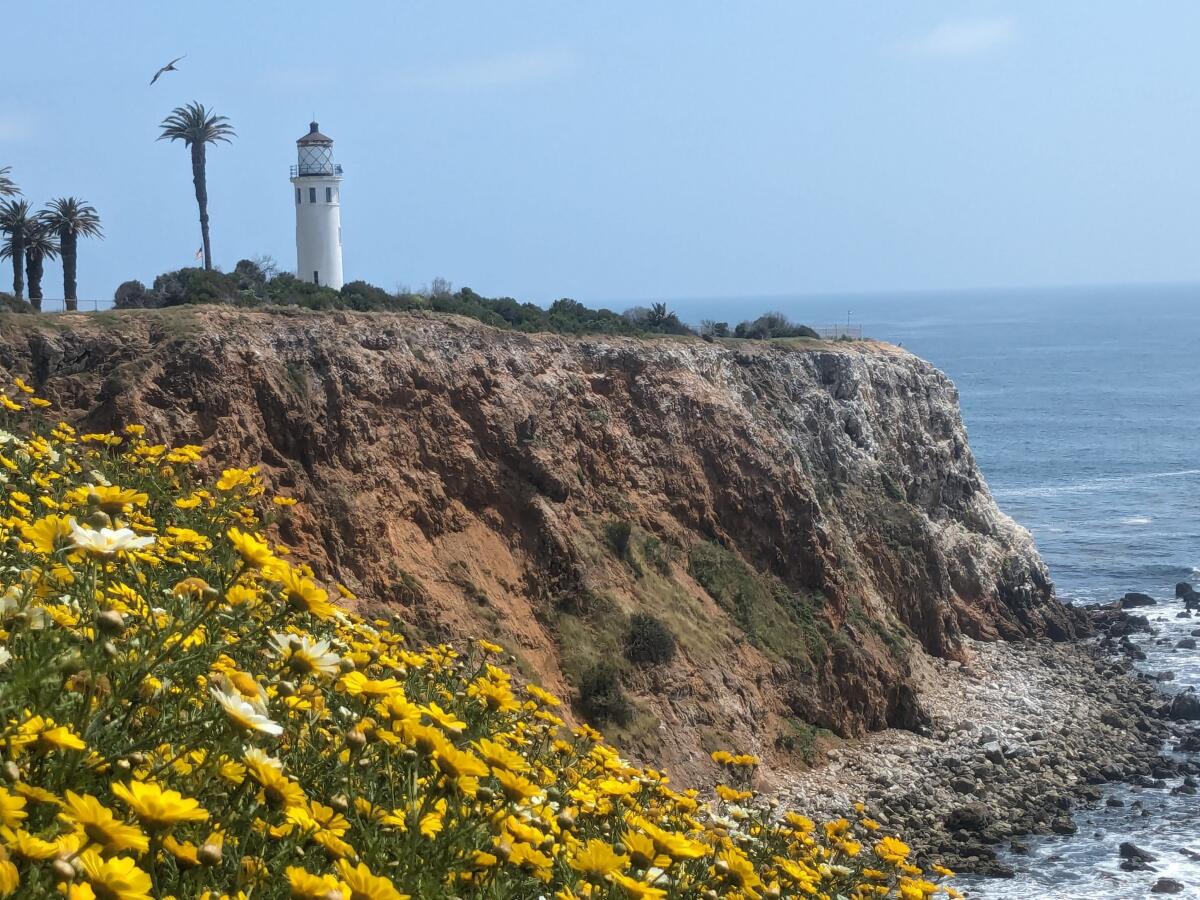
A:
<point x="973" y="817"/>
<point x="1185" y="707"/>
<point x="1130" y="850"/>
<point x="1133" y="598"/>
<point x="1185" y="592"/>
<point x="1167" y="886"/>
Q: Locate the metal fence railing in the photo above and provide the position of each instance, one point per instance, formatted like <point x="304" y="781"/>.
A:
<point x="58" y="305"/>
<point x="841" y="332"/>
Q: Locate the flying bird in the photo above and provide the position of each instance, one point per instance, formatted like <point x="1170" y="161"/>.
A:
<point x="169" y="67"/>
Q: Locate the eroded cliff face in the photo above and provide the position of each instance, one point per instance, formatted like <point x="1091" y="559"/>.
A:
<point x="803" y="519"/>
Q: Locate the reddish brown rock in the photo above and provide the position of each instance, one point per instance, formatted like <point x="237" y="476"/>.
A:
<point x="463" y="478"/>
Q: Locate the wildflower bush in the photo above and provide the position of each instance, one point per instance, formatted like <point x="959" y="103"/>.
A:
<point x="184" y="711"/>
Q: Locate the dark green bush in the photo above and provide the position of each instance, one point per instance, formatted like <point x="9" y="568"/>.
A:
<point x="658" y="554"/>
<point x="194" y="286"/>
<point x="366" y="297"/>
<point x="256" y="281"/>
<point x="772" y="325"/>
<point x="617" y="532"/>
<point x="649" y="640"/>
<point x="656" y="319"/>
<point x="601" y="698"/>
<point x="9" y="303"/>
<point x="711" y="328"/>
<point x="130" y="295"/>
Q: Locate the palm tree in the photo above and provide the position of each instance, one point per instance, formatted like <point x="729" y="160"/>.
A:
<point x="15" y="221"/>
<point x="71" y="218"/>
<point x="198" y="127"/>
<point x="41" y="244"/>
<point x="8" y="187"/>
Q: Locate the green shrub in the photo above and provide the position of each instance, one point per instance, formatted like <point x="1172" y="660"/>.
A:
<point x="601" y="698"/>
<point x="131" y="295"/>
<point x="9" y="303"/>
<point x="193" y="285"/>
<point x="408" y="589"/>
<point x="658" y="554"/>
<point x="617" y="532"/>
<point x="773" y="616"/>
<point x="799" y="737"/>
<point x="773" y="325"/>
<point x="363" y="296"/>
<point x="648" y="640"/>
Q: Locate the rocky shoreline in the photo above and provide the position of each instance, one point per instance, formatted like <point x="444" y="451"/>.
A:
<point x="1020" y="735"/>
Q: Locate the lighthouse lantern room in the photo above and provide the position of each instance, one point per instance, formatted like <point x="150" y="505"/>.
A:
<point x="317" y="180"/>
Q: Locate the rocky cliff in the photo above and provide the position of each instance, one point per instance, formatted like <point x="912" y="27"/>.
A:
<point x="799" y="520"/>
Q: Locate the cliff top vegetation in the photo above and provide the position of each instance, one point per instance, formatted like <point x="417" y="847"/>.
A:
<point x="256" y="283"/>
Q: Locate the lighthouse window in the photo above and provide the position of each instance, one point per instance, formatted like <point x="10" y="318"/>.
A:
<point x="328" y="195"/>
<point x="297" y="195"/>
<point x="312" y="195"/>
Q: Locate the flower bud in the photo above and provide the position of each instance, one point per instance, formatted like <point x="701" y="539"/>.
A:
<point x="110" y="621"/>
<point x="62" y="870"/>
<point x="341" y="803"/>
<point x="286" y="689"/>
<point x="11" y="773"/>
<point x="98" y="519"/>
<point x="355" y="740"/>
<point x="209" y="854"/>
<point x="110" y="650"/>
<point x="346" y="665"/>
<point x="565" y="820"/>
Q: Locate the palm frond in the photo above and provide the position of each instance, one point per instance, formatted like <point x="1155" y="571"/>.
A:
<point x="71" y="215"/>
<point x="42" y="240"/>
<point x="195" y="124"/>
<point x="8" y="187"/>
<point x="15" y="215"/>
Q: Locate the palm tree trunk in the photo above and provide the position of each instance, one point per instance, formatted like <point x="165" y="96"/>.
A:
<point x="201" y="184"/>
<point x="67" y="240"/>
<point x="18" y="263"/>
<point x="34" y="266"/>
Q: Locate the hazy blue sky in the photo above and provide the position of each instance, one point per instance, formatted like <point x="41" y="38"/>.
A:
<point x="631" y="150"/>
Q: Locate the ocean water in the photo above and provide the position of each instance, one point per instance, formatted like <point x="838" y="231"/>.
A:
<point x="1083" y="410"/>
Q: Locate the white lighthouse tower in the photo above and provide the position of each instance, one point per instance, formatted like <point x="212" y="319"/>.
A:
<point x="317" y="180"/>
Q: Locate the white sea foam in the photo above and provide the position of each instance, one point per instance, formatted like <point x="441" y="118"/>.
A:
<point x="1090" y="485"/>
<point x="1136" y="520"/>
